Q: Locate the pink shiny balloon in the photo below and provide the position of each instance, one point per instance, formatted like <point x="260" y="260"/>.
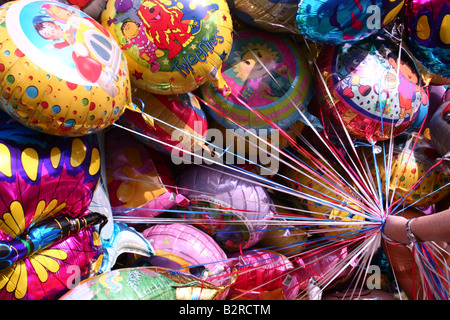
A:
<point x="263" y="275"/>
<point x="176" y="242"/>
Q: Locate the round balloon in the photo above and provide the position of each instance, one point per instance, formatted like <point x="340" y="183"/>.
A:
<point x="139" y="182"/>
<point x="229" y="207"/>
<point x="44" y="176"/>
<point x="266" y="74"/>
<point x="428" y="34"/>
<point x="411" y="179"/>
<point x="270" y="15"/>
<point x="263" y="275"/>
<point x="172" y="46"/>
<point x="62" y="72"/>
<point x="144" y="283"/>
<point x="363" y="91"/>
<point x="186" y="248"/>
<point x="174" y="123"/>
<point x="343" y="21"/>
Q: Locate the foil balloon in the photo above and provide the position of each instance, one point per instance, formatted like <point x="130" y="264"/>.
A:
<point x="44" y="176"/>
<point x="139" y="182"/>
<point x="144" y="283"/>
<point x="187" y="248"/>
<point x="172" y="46"/>
<point x="269" y="15"/>
<point x="359" y="88"/>
<point x="50" y="258"/>
<point x="415" y="178"/>
<point x="269" y="78"/>
<point x="172" y="123"/>
<point x="62" y="72"/>
<point x="427" y="33"/>
<point x="336" y="21"/>
<point x="226" y="205"/>
<point x="440" y="129"/>
<point x="263" y="275"/>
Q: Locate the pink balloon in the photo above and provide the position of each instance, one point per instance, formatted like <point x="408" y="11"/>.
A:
<point x="263" y="275"/>
<point x="174" y="241"/>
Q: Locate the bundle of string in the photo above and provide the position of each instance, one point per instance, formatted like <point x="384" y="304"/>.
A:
<point x="355" y="192"/>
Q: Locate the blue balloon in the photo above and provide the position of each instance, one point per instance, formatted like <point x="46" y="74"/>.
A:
<point x="344" y="21"/>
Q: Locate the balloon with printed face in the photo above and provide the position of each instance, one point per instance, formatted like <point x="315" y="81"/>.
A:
<point x="145" y="283"/>
<point x="267" y="75"/>
<point x="172" y="46"/>
<point x="189" y="249"/>
<point x="44" y="176"/>
<point x="50" y="271"/>
<point x="169" y="123"/>
<point x="362" y="89"/>
<point x="344" y="21"/>
<point x="62" y="72"/>
<point x="234" y="210"/>
<point x="139" y="182"/>
<point x="427" y="34"/>
<point x="269" y="15"/>
<point x="263" y="275"/>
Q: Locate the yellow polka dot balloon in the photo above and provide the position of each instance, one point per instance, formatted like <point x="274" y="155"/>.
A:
<point x="61" y="72"/>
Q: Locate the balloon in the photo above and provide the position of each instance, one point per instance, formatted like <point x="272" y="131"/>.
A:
<point x="270" y="15"/>
<point x="410" y="178"/>
<point x="43" y="176"/>
<point x="144" y="283"/>
<point x="50" y="272"/>
<point x="124" y="239"/>
<point x="439" y="129"/>
<point x="427" y="34"/>
<point x="268" y="75"/>
<point x="186" y="248"/>
<point x="139" y="182"/>
<point x="70" y="83"/>
<point x="172" y="47"/>
<point x="263" y="275"/>
<point x="365" y="91"/>
<point x="243" y="205"/>
<point x="344" y="21"/>
<point x="173" y="122"/>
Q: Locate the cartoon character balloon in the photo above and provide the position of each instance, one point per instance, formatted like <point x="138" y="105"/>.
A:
<point x="172" y="46"/>
<point x="427" y="34"/>
<point x="267" y="75"/>
<point x="363" y="90"/>
<point x="344" y="21"/>
<point x="234" y="209"/>
<point x="270" y="15"/>
<point x="62" y="72"/>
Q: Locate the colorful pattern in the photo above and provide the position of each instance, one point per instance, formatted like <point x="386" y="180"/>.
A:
<point x="43" y="176"/>
<point x="267" y="73"/>
<point x="172" y="46"/>
<point x="61" y="72"/>
<point x="369" y="98"/>
<point x="344" y="21"/>
<point x="440" y="129"/>
<point x="427" y="27"/>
